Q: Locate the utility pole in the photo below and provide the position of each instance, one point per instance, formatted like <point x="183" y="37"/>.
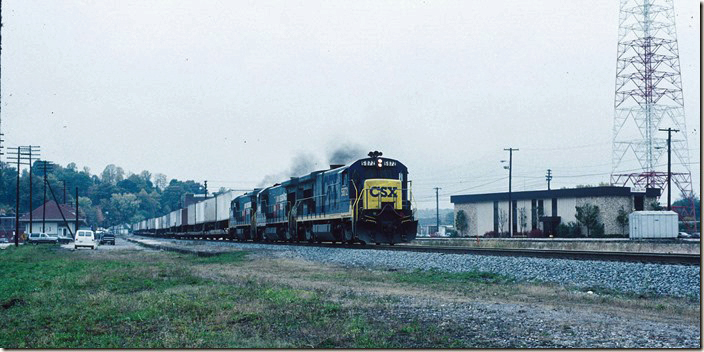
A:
<point x="2" y="166"/>
<point x="76" y="227"/>
<point x="19" y="156"/>
<point x="45" y="165"/>
<point x="44" y="201"/>
<point x="1" y="134"/>
<point x="669" y="165"/>
<point x="437" y="210"/>
<point x="31" y="209"/>
<point x="59" y="207"/>
<point x="206" y="188"/>
<point x="64" y="182"/>
<point x="31" y="149"/>
<point x="17" y="200"/>
<point x="510" y="200"/>
<point x="548" y="177"/>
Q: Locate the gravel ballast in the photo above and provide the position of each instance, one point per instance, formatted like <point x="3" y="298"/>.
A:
<point x="639" y="278"/>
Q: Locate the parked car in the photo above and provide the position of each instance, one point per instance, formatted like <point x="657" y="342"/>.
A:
<point x="684" y="235"/>
<point x="65" y="239"/>
<point x="108" y="238"/>
<point x="695" y="235"/>
<point x="4" y="240"/>
<point x="85" y="238"/>
<point x="40" y="237"/>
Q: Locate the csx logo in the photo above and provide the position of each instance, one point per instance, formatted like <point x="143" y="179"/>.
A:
<point x="383" y="191"/>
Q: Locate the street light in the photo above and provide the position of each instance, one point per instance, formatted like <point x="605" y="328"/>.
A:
<point x="510" y="201"/>
<point x="510" y="205"/>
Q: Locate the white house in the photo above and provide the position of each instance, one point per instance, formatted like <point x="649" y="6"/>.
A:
<point x="57" y="219"/>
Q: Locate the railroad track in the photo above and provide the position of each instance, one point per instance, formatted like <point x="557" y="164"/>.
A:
<point x="654" y="258"/>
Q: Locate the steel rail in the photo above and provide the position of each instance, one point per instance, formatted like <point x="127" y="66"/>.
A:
<point x="637" y="257"/>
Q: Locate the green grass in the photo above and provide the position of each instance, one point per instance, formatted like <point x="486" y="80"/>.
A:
<point x="223" y="258"/>
<point x="53" y="298"/>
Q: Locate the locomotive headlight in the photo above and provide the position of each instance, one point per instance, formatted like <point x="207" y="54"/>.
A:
<point x="378" y="162"/>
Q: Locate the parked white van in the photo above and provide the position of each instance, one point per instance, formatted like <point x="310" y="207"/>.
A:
<point x="85" y="238"/>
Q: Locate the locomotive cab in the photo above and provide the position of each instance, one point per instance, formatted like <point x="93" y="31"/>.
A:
<point x="381" y="208"/>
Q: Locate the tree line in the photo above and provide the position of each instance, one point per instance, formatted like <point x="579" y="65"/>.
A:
<point x="113" y="197"/>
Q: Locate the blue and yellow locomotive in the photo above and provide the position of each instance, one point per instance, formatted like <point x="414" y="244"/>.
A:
<point x="367" y="201"/>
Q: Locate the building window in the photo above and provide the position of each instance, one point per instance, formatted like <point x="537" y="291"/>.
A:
<point x="541" y="208"/>
<point x="514" y="220"/>
<point x="554" y="207"/>
<point x="533" y="215"/>
<point x="496" y="216"/>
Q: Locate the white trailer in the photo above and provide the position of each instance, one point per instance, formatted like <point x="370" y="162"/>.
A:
<point x="652" y="224"/>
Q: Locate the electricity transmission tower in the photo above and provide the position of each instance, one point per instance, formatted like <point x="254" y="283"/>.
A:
<point x="648" y="97"/>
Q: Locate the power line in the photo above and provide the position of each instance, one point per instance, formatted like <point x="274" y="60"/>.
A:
<point x="568" y="148"/>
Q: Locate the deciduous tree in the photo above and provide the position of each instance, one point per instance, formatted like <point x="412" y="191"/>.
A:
<point x="622" y="219"/>
<point x="588" y="215"/>
<point x="461" y="223"/>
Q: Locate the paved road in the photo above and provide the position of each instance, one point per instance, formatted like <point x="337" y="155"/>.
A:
<point x="120" y="243"/>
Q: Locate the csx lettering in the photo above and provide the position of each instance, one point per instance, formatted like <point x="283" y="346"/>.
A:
<point x="383" y="191"/>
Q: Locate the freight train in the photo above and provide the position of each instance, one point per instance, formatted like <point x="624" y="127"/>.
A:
<point x="366" y="201"/>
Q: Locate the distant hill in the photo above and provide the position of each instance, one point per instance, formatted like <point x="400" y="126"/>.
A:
<point x="427" y="217"/>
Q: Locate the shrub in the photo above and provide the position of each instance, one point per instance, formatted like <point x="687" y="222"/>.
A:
<point x="569" y="230"/>
<point x="536" y="233"/>
<point x="491" y="234"/>
<point x="598" y="230"/>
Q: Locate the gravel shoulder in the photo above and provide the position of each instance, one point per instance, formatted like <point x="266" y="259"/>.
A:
<point x="557" y="311"/>
<point x="495" y="316"/>
<point x="598" y="276"/>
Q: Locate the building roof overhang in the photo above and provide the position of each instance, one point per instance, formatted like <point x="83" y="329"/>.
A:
<point x="605" y="191"/>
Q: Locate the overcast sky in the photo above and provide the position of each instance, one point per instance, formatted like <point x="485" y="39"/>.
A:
<point x="235" y="91"/>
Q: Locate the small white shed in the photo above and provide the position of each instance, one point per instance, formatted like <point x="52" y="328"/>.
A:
<point x="652" y="224"/>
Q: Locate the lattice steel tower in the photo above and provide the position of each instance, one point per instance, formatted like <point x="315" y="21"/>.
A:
<point x="649" y="97"/>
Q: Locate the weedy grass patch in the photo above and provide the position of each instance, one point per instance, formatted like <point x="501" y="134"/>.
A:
<point x="53" y="298"/>
<point x="436" y="277"/>
<point x="222" y="258"/>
